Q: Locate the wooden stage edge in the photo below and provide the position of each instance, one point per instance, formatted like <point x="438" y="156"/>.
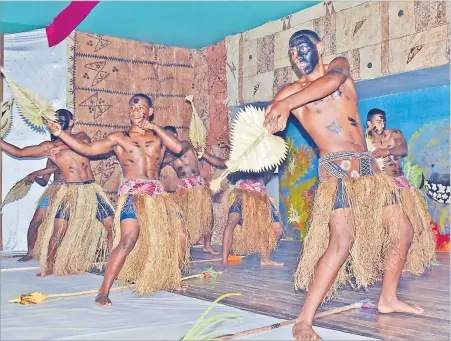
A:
<point x="269" y="291"/>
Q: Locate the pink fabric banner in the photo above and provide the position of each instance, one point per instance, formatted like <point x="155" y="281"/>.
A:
<point x="68" y="20"/>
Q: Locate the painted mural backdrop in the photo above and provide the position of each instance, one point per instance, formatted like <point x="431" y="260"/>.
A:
<point x="423" y="117"/>
<point x="298" y="178"/>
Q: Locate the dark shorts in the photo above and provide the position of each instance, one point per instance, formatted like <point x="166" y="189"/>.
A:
<point x="341" y="200"/>
<point x="128" y="211"/>
<point x="104" y="210"/>
<point x="237" y="207"/>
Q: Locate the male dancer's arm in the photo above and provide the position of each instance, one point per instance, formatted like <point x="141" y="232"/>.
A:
<point x="168" y="138"/>
<point x="278" y="111"/>
<point x="400" y="148"/>
<point x="42" y="177"/>
<point x="214" y="160"/>
<point x="36" y="151"/>
<point x="82" y="144"/>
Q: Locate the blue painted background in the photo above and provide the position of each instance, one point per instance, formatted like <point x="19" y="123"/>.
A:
<point x="427" y="108"/>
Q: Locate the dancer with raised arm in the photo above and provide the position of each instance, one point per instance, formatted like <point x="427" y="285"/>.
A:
<point x="358" y="230"/>
<point x="193" y="195"/>
<point x="151" y="247"/>
<point x="78" y="227"/>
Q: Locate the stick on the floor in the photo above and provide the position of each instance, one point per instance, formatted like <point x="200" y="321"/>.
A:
<point x="197" y="261"/>
<point x="365" y="304"/>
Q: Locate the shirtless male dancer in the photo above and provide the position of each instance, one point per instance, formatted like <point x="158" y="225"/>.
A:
<point x="151" y="246"/>
<point x="389" y="147"/>
<point x="78" y="178"/>
<point x="193" y="194"/>
<point x="324" y="101"/>
<point x="251" y="207"/>
<point x="41" y="177"/>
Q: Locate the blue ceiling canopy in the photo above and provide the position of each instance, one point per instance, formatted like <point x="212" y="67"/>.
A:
<point x="189" y="24"/>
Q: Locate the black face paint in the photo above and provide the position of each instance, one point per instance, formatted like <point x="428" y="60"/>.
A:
<point x="307" y="53"/>
<point x="64" y="121"/>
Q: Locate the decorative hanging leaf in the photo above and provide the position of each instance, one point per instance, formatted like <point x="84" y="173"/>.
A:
<point x="197" y="131"/>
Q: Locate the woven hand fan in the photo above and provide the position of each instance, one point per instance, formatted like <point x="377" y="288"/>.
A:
<point x="7" y="117"/>
<point x="253" y="148"/>
<point x="31" y="107"/>
<point x="17" y="192"/>
<point x="197" y="131"/>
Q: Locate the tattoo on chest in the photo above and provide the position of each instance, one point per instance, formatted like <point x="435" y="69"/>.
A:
<point x="334" y="127"/>
<point x="353" y="122"/>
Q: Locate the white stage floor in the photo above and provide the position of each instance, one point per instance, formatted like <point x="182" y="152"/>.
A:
<point x="162" y="316"/>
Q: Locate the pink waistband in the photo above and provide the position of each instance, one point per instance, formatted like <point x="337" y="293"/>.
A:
<point x="141" y="186"/>
<point x="251" y="185"/>
<point x="192" y="182"/>
<point x="402" y="182"/>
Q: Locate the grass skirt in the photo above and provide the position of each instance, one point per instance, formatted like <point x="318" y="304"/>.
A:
<point x="196" y="206"/>
<point x="50" y="191"/>
<point x="256" y="233"/>
<point x="376" y="211"/>
<point x="157" y="260"/>
<point x="84" y="242"/>
<point x="422" y="249"/>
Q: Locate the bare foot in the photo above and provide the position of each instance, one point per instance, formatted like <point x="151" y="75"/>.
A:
<point x="183" y="287"/>
<point x="221" y="267"/>
<point x="269" y="262"/>
<point x="25" y="258"/>
<point x="304" y="331"/>
<point x="102" y="300"/>
<point x="210" y="250"/>
<point x="47" y="273"/>
<point x="397" y="306"/>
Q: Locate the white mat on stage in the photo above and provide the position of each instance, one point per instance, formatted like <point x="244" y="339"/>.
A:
<point x="163" y="316"/>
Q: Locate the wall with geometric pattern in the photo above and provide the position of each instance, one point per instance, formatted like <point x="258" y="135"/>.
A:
<point x="104" y="72"/>
<point x="377" y="37"/>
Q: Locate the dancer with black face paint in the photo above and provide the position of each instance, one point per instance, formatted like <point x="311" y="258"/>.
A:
<point x="358" y="230"/>
<point x="78" y="227"/>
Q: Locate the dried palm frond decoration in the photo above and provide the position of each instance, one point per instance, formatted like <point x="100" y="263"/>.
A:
<point x="17" y="192"/>
<point x="203" y="330"/>
<point x="32" y="108"/>
<point x="197" y="131"/>
<point x="7" y="117"/>
<point x="253" y="148"/>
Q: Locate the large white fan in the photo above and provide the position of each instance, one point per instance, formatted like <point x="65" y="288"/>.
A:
<point x="253" y="148"/>
<point x="197" y="131"/>
<point x="31" y="107"/>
